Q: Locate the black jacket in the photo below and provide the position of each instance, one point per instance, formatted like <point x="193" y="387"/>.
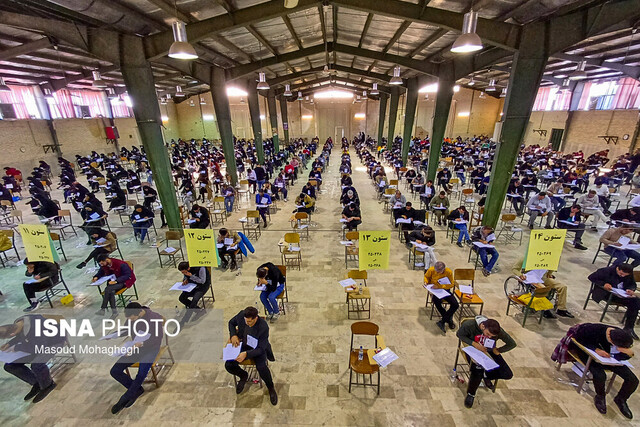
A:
<point x="45" y="269"/>
<point x="259" y="331"/>
<point x="610" y="276"/>
<point x="594" y="336"/>
<point x="26" y="340"/>
<point x="565" y="214"/>
<point x="195" y="278"/>
<point x="274" y="275"/>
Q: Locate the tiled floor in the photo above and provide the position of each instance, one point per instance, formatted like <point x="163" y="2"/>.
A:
<point x="311" y="342"/>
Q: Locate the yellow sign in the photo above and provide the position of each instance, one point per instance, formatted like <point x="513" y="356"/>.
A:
<point x="36" y="242"/>
<point x="201" y="248"/>
<point x="374" y="250"/>
<point x="545" y="248"/>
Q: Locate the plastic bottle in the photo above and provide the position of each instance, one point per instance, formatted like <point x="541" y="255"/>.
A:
<point x="454" y="375"/>
<point x="361" y="354"/>
<point x="360" y="290"/>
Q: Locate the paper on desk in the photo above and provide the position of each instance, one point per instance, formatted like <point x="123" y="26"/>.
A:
<point x="483" y="245"/>
<point x="608" y="360"/>
<point x="178" y="286"/>
<point x="101" y="241"/>
<point x="534" y="276"/>
<point x="343" y="220"/>
<point x="229" y="352"/>
<point x="120" y="333"/>
<point x="219" y="245"/>
<point x="346" y="242"/>
<point x="292" y="248"/>
<point x="262" y="206"/>
<point x="438" y="293"/>
<point x="228" y="241"/>
<point x="419" y="245"/>
<point x="94" y="215"/>
<point x="624" y="240"/>
<point x="191" y="221"/>
<point x="403" y="221"/>
<point x="347" y="282"/>
<point x="444" y="281"/>
<point x="568" y="222"/>
<point x="11" y="356"/>
<point x="466" y="289"/>
<point x="103" y="280"/>
<point x="385" y="357"/>
<point x="260" y="288"/>
<point x="480" y="358"/>
<point x="170" y="249"/>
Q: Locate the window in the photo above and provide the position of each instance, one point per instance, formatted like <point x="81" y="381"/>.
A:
<point x="23" y="101"/>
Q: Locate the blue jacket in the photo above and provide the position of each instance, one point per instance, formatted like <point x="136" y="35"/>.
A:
<point x="245" y="244"/>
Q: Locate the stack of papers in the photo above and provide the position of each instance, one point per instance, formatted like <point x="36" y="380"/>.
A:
<point x="403" y="221"/>
<point x="170" y="249"/>
<point x="466" y="289"/>
<point x="534" y="276"/>
<point x="229" y="352"/>
<point x="438" y="293"/>
<point x="621" y="293"/>
<point x="480" y="357"/>
<point x="385" y="357"/>
<point x="347" y="282"/>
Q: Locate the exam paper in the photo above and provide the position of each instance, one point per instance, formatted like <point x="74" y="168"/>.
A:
<point x="480" y="358"/>
<point x="229" y="352"/>
<point x="385" y="357"/>
<point x="534" y="276"/>
<point x="103" y="280"/>
<point x="178" y="286"/>
<point x="11" y="356"/>
<point x="260" y="288"/>
<point x="252" y="342"/>
<point x="347" y="282"/>
<point x="438" y="293"/>
<point x="466" y="289"/>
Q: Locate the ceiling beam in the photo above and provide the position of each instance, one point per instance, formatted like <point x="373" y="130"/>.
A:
<point x="492" y="32"/>
<point x="157" y="45"/>
<point x="245" y="69"/>
<point x="323" y="27"/>
<point x="261" y="39"/>
<point x="334" y="79"/>
<point x="403" y="27"/>
<point x="367" y="23"/>
<point x="292" y="31"/>
<point x="519" y="8"/>
<point x="630" y="71"/>
<point x="340" y="68"/>
<point x="25" y="48"/>
<point x="428" y="41"/>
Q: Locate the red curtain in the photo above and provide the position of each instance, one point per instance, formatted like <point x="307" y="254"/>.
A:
<point x="628" y="94"/>
<point x="23" y="100"/>
<point x="93" y="99"/>
<point x="119" y="108"/>
<point x="64" y="104"/>
<point x="541" y="99"/>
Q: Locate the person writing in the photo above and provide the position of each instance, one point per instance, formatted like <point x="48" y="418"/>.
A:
<point x="199" y="276"/>
<point x="425" y="236"/>
<point x="251" y="333"/>
<point x="271" y="278"/>
<point x="607" y="341"/>
<point x="482" y="333"/>
<point x="199" y="217"/>
<point x="441" y="277"/>
<point x="104" y="242"/>
<point x="485" y="236"/>
<point x="228" y="245"/>
<point x="351" y="217"/>
<point x="48" y="271"/>
<point x="124" y="278"/>
<point x="569" y="219"/>
<point x="263" y="200"/>
<point x="304" y="203"/>
<point x="459" y="219"/>
<point x="141" y="219"/>
<point x="616" y="241"/>
<point x="440" y="206"/>
<point x="540" y="205"/>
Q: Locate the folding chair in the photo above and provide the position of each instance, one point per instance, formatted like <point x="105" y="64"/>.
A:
<point x="467" y="301"/>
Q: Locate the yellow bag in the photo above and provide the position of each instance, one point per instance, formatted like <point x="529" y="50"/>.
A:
<point x="67" y="299"/>
<point x="539" y="303"/>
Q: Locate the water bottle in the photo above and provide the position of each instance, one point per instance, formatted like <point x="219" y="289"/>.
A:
<point x="454" y="375"/>
<point x="360" y="353"/>
<point x="360" y="290"/>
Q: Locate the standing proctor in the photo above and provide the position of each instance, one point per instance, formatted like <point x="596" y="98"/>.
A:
<point x="251" y="332"/>
<point x="483" y="333"/>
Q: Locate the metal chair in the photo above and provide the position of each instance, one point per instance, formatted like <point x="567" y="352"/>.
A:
<point x="467" y="301"/>
<point x="351" y="251"/>
<point x="363" y="367"/>
<point x="251" y="226"/>
<point x="171" y="238"/>
<point x="291" y="251"/>
<point x="55" y="237"/>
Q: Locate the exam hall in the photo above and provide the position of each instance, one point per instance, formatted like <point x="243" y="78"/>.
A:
<point x="343" y="212"/>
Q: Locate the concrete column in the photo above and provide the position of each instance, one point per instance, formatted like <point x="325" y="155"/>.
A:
<point x="635" y="139"/>
<point x="273" y="119"/>
<point x="223" y="116"/>
<point x="409" y="116"/>
<point x="574" y="103"/>
<point x="138" y="78"/>
<point x="393" y="114"/>
<point x="285" y="118"/>
<point x="526" y="74"/>
<point x="256" y="123"/>
<point x="440" y="118"/>
<point x="383" y="113"/>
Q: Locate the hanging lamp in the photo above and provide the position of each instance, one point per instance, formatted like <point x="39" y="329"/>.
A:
<point x="181" y="48"/>
<point x="468" y="41"/>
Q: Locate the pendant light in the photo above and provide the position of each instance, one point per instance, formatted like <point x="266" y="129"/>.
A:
<point x="202" y="102"/>
<point x="192" y="104"/>
<point x="471" y="82"/>
<point x="468" y="41"/>
<point x="364" y="94"/>
<point x="3" y="86"/>
<point x="503" y="94"/>
<point x="396" y="79"/>
<point x="374" y="90"/>
<point x="163" y="101"/>
<point x="179" y="92"/>
<point x="482" y="95"/>
<point x="181" y="48"/>
<point x="168" y="96"/>
<point x="579" y="73"/>
<point x="287" y="90"/>
<point x="492" y="86"/>
<point x="97" y="80"/>
<point x="290" y="4"/>
<point x="49" y="95"/>
<point x="358" y="99"/>
<point x="262" y="82"/>
<point x="299" y="96"/>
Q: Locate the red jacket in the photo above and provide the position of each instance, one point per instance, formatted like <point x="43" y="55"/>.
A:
<point x="121" y="270"/>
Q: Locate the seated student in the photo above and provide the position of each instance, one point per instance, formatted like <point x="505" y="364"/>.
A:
<point x="346" y="180"/>
<point x="141" y="219"/>
<point x="440" y="206"/>
<point x="484" y="234"/>
<point x="310" y="190"/>
<point x="349" y="197"/>
<point x="425" y="236"/>
<point x="459" y="219"/>
<point x="232" y="239"/>
<point x="142" y="321"/>
<point x="304" y="203"/>
<point x="124" y="279"/>
<point x="602" y="191"/>
<point x="530" y="183"/>
<point x="263" y="200"/>
<point x="150" y="196"/>
<point x="607" y="341"/>
<point x="548" y="282"/>
<point x="554" y="190"/>
<point x="39" y="270"/>
<point x="621" y="277"/>
<point x="407" y="213"/>
<point x="244" y="326"/>
<point x="482" y="333"/>
<point x="515" y="193"/>
<point x="441" y="277"/>
<point x="540" y="205"/>
<point x="22" y="336"/>
<point x="93" y="216"/>
<point x="351" y="214"/>
<point x="630" y="216"/>
<point x="202" y="279"/>
<point x="427" y="193"/>
<point x="417" y="184"/>
<point x="614" y="240"/>
<point x="569" y="218"/>
<point x="317" y="176"/>
<point x="200" y="215"/>
<point x="272" y="278"/>
<point x="280" y="185"/>
<point x="116" y="197"/>
<point x="107" y="244"/>
<point x="590" y="205"/>
<point x="397" y="201"/>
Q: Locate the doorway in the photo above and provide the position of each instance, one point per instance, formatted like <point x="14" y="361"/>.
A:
<point x="339" y="134"/>
<point x="556" y="139"/>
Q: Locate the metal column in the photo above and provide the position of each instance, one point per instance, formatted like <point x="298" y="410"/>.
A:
<point x="393" y="115"/>
<point x="138" y="78"/>
<point x="409" y="116"/>
<point x="440" y="117"/>
<point x="256" y="123"/>
<point x="526" y="73"/>
<point x="383" y="113"/>
<point x="285" y="118"/>
<point x="223" y="116"/>
<point x="273" y="119"/>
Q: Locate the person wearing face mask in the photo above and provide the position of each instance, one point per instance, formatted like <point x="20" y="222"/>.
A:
<point x="483" y="333"/>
